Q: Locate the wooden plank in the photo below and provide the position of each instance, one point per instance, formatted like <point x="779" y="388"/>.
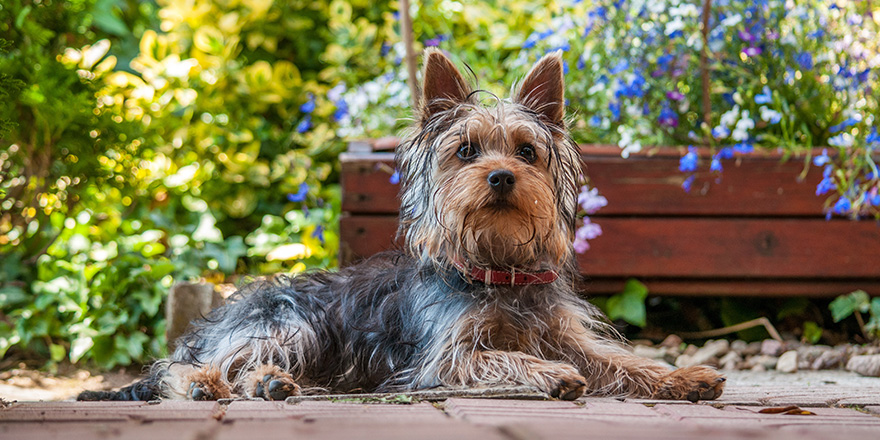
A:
<point x="694" y="248"/>
<point x="755" y="287"/>
<point x="641" y="185"/>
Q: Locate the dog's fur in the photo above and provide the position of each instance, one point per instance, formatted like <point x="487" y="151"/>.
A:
<point x="414" y="319"/>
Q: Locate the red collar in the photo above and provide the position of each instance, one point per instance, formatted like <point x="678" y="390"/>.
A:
<point x="506" y="277"/>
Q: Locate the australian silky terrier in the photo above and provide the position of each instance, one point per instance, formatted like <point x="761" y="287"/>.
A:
<point x="482" y="294"/>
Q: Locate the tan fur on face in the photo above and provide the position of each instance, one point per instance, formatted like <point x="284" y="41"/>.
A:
<point x="521" y="229"/>
<point x="449" y="212"/>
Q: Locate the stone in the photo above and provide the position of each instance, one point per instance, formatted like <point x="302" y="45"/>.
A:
<point x="867" y="365"/>
<point x="771" y="347"/>
<point x="828" y="360"/>
<point x="768" y="362"/>
<point x="186" y="303"/>
<point x="672" y="341"/>
<point x="788" y="362"/>
<point x="730" y="361"/>
<point x="649" y="352"/>
<point x="705" y="355"/>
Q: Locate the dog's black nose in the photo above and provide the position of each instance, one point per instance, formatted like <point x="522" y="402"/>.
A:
<point x="501" y="181"/>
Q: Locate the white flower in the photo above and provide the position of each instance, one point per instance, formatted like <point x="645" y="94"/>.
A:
<point x="841" y="140"/>
<point x="769" y="115"/>
<point x="732" y="20"/>
<point x="729" y="117"/>
<point x="675" y="25"/>
<point x="741" y="132"/>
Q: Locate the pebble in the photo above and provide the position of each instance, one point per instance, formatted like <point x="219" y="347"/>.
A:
<point x="702" y="356"/>
<point x="649" y="352"/>
<point x="672" y="341"/>
<point x="771" y="347"/>
<point x="768" y="362"/>
<point x="730" y="361"/>
<point x="788" y="362"/>
<point x="828" y="360"/>
<point x="866" y="365"/>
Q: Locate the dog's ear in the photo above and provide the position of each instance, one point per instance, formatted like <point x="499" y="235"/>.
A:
<point x="444" y="87"/>
<point x="543" y="90"/>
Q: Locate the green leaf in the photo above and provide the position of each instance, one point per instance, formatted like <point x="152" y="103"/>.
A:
<point x="629" y="305"/>
<point x="79" y="347"/>
<point x="57" y="352"/>
<point x="844" y="305"/>
<point x="812" y="332"/>
<point x="104" y="15"/>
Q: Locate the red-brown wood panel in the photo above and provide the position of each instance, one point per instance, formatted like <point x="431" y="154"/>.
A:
<point x="636" y="186"/>
<point x="694" y="248"/>
<point x="762" y="287"/>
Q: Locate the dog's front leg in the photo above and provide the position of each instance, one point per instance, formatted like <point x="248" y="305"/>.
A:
<point x="486" y="367"/>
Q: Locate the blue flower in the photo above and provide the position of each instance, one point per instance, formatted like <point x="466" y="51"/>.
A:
<point x="688" y="162"/>
<point x="716" y="164"/>
<point x="825" y="185"/>
<point x="385" y="49"/>
<point x="581" y="64"/>
<point x="874" y="200"/>
<point x="846" y="123"/>
<point x="304" y="125"/>
<point x="300" y="196"/>
<point x="308" y="106"/>
<point x="615" y="110"/>
<point x="686" y="185"/>
<point x="620" y="67"/>
<point x="720" y="132"/>
<point x="595" y="121"/>
<point x="395" y="177"/>
<point x="564" y="67"/>
<point x="765" y="97"/>
<point x="843" y="206"/>
<point x="805" y="59"/>
<point x="822" y="159"/>
<point x="744" y="147"/>
<point x="341" y="110"/>
<point x="873" y="137"/>
<point x="535" y="37"/>
<point x="664" y="60"/>
<point x="319" y="233"/>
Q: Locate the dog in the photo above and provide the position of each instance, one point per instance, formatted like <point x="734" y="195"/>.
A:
<point x="482" y="293"/>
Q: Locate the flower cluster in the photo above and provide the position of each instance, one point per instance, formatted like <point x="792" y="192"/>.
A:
<point x="590" y="202"/>
<point x="779" y="75"/>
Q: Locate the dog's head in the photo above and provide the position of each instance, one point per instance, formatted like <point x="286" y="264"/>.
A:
<point x="488" y="181"/>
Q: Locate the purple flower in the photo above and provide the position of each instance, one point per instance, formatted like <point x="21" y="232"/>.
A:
<point x="300" y="196"/>
<point x="822" y="159"/>
<point x="752" y="51"/>
<point x="765" y="97"/>
<point x="433" y="42"/>
<point x="304" y="125"/>
<point x="588" y="230"/>
<point x="590" y="200"/>
<point x="580" y="246"/>
<point x="675" y="95"/>
<point x="668" y="117"/>
<point x="688" y="162"/>
<point x="747" y="37"/>
<point x="686" y="185"/>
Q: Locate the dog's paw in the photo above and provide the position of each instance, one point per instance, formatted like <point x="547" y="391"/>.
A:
<point x="691" y="383"/>
<point x="564" y="383"/>
<point x="207" y="384"/>
<point x="271" y="383"/>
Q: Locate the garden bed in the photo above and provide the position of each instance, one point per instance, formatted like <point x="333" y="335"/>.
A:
<point x="755" y="230"/>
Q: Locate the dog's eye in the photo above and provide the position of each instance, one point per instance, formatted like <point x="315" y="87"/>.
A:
<point x="527" y="153"/>
<point x="468" y="151"/>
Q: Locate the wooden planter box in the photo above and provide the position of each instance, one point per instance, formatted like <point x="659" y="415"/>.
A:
<point x="757" y="232"/>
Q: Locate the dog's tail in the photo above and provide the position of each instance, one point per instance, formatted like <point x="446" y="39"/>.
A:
<point x="148" y="388"/>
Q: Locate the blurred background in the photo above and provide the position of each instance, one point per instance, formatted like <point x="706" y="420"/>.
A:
<point x="144" y="143"/>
